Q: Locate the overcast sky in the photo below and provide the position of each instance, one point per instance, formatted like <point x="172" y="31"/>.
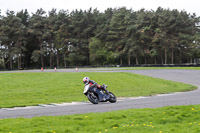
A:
<point x="191" y="6"/>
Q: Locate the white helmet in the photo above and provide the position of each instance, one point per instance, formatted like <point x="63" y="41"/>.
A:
<point x="86" y="80"/>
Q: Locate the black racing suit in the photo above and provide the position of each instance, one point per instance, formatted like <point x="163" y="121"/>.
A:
<point x="93" y="84"/>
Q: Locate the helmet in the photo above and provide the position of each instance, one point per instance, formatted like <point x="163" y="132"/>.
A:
<point x="86" y="80"/>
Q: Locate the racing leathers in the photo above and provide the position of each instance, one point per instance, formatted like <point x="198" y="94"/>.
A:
<point x="93" y="84"/>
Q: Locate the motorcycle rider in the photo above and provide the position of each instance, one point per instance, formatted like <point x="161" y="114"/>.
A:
<point x="86" y="81"/>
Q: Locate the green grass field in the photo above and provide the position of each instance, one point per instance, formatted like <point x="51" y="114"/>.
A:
<point x="22" y="89"/>
<point x="178" y="119"/>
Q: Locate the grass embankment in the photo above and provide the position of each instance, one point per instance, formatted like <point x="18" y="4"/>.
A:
<point x="152" y="68"/>
<point x="179" y="119"/>
<point x="22" y="89"/>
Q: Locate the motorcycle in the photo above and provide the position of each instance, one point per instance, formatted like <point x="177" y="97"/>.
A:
<point x="96" y="95"/>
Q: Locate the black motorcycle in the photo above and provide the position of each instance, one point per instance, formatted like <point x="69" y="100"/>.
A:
<point x="96" y="95"/>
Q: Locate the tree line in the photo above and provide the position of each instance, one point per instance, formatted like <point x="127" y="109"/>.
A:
<point x="118" y="36"/>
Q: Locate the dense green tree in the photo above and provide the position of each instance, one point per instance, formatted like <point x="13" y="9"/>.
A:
<point x="101" y="33"/>
<point x="132" y="48"/>
<point x="82" y="26"/>
<point x="78" y="51"/>
<point x="62" y="34"/>
<point x="144" y="32"/>
<point x="115" y="36"/>
<point x="12" y="38"/>
<point x="98" y="52"/>
<point x="22" y="37"/>
<point x="116" y="39"/>
<point x="37" y="28"/>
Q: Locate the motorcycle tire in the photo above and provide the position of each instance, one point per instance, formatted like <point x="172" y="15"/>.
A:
<point x="113" y="98"/>
<point x="93" y="98"/>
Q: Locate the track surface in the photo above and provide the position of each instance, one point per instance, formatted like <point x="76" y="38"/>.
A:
<point x="182" y="98"/>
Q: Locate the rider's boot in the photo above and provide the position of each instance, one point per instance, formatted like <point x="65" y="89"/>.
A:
<point x="103" y="99"/>
<point x="107" y="92"/>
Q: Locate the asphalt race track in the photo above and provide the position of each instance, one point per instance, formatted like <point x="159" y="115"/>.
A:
<point x="179" y="98"/>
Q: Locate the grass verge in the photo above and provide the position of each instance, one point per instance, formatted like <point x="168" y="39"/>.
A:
<point x="174" y="119"/>
<point x="22" y="89"/>
<point x="152" y="68"/>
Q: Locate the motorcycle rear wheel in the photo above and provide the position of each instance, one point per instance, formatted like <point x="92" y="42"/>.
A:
<point x="113" y="98"/>
<point x="93" y="98"/>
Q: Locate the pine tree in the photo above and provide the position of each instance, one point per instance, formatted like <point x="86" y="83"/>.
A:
<point x="116" y="39"/>
<point x="37" y="29"/>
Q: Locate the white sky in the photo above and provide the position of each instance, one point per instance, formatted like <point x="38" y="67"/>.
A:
<point x="191" y="6"/>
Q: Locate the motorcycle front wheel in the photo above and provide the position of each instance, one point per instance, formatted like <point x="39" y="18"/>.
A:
<point x="93" y="98"/>
<point x="113" y="98"/>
